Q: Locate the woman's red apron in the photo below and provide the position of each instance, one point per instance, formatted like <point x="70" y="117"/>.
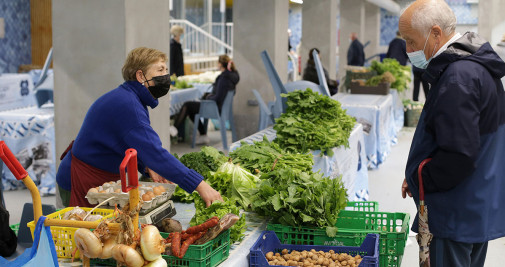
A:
<point x="84" y="177"/>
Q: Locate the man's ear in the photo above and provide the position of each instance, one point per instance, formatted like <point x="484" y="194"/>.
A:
<point x="140" y="77"/>
<point x="437" y="31"/>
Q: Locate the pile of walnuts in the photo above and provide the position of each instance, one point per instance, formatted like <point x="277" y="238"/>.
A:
<point x="312" y="258"/>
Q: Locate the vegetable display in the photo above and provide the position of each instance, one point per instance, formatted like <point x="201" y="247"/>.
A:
<point x="266" y="156"/>
<point x="312" y="258"/>
<point x="312" y="122"/>
<point x="219" y="209"/>
<point x="401" y="73"/>
<point x="241" y="185"/>
<point x="295" y="198"/>
<point x="386" y="77"/>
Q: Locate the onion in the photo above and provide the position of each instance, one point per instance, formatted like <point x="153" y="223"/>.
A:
<point x="160" y="262"/>
<point x="107" y="247"/>
<point x="151" y="243"/>
<point x="126" y="255"/>
<point x="87" y="243"/>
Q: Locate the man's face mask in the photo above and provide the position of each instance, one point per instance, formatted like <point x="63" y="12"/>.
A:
<point x="418" y="59"/>
<point x="161" y="85"/>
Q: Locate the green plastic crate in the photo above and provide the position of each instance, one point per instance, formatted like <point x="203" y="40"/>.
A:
<point x="15" y="228"/>
<point x="353" y="226"/>
<point x="217" y="257"/>
<point x="209" y="254"/>
<point x="362" y="205"/>
<point x="199" y="252"/>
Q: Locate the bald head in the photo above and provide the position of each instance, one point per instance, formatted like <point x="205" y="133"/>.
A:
<point x="354" y="36"/>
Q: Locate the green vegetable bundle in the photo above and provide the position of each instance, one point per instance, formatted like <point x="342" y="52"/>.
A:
<point x="241" y="184"/>
<point x="401" y="73"/>
<point x="312" y="122"/>
<point x="295" y="198"/>
<point x="266" y="156"/>
<point x="219" y="209"/>
<point x="207" y="160"/>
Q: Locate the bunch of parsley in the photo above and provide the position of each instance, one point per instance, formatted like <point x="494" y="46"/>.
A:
<point x="312" y="122"/>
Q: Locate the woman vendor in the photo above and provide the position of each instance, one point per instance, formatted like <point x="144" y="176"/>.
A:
<point x="119" y="120"/>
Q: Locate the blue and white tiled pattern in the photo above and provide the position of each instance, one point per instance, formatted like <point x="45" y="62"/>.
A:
<point x="295" y="24"/>
<point x="466" y="14"/>
<point x="15" y="47"/>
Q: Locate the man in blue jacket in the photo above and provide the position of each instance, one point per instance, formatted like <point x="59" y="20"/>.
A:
<point x="119" y="120"/>
<point x="356" y="53"/>
<point x="462" y="129"/>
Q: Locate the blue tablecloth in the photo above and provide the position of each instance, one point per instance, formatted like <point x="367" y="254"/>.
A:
<point x="16" y="91"/>
<point x="179" y="96"/>
<point x="375" y="112"/>
<point x="398" y="114"/>
<point x="29" y="134"/>
<point x="350" y="162"/>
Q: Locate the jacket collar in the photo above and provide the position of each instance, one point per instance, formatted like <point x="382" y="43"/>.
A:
<point x="141" y="91"/>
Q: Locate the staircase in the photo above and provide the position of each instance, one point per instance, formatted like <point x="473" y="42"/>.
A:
<point x="202" y="48"/>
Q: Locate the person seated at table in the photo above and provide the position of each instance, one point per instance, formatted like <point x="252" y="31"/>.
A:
<point x="310" y="73"/>
<point x="117" y="121"/>
<point x="226" y="81"/>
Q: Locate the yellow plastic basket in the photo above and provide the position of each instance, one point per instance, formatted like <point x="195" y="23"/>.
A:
<point x="64" y="236"/>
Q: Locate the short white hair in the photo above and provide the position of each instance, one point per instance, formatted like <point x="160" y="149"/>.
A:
<point x="431" y="13"/>
<point x="176" y="30"/>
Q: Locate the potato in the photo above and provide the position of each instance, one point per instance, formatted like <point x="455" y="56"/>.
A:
<point x="284" y="251"/>
<point x="170" y="225"/>
<point x="269" y="255"/>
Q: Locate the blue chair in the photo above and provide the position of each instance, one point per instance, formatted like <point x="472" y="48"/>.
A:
<point x="266" y="116"/>
<point x="275" y="80"/>
<point x="45" y="85"/>
<point x="323" y="87"/>
<point x="45" y="68"/>
<point x="209" y="110"/>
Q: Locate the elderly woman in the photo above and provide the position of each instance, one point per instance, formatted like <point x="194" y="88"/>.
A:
<point x="119" y="120"/>
<point x="176" y="59"/>
<point x="462" y="131"/>
<point x="226" y="81"/>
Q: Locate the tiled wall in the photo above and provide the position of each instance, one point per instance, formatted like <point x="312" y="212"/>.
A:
<point x="15" y="47"/>
<point x="466" y="14"/>
<point x="295" y="24"/>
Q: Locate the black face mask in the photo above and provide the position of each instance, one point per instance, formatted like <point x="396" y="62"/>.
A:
<point x="161" y="85"/>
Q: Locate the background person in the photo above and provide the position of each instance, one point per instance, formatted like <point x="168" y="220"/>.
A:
<point x="462" y="130"/>
<point x="397" y="49"/>
<point x="310" y="73"/>
<point x="176" y="58"/>
<point x="418" y="80"/>
<point x="355" y="54"/>
<point x="226" y="81"/>
<point x="117" y="121"/>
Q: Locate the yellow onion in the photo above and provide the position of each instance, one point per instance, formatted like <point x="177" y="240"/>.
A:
<point x="126" y="255"/>
<point x="88" y="244"/>
<point x="151" y="243"/>
<point x="159" y="262"/>
<point x="107" y="247"/>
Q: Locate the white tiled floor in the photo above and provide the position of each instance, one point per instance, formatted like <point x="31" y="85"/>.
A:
<point x="384" y="184"/>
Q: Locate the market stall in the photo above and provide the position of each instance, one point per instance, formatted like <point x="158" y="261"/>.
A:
<point x="29" y="132"/>
<point x="375" y="113"/>
<point x="350" y="163"/>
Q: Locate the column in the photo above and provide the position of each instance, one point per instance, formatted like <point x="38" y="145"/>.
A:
<point x="257" y="25"/>
<point x="319" y="29"/>
<point x="491" y="20"/>
<point x="91" y="41"/>
<point x="372" y="29"/>
<point x="352" y="19"/>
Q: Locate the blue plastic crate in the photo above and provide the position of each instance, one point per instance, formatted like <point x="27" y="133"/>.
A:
<point x="268" y="241"/>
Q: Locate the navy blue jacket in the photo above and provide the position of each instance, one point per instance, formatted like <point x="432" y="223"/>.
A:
<point x="356" y="54"/>
<point x="176" y="58"/>
<point x="119" y="120"/>
<point x="397" y="49"/>
<point x="226" y="81"/>
<point x="462" y="128"/>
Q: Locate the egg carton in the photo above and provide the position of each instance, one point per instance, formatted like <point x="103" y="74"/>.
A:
<point x="121" y="199"/>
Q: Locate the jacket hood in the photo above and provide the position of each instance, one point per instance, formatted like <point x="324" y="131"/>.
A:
<point x="233" y="76"/>
<point x="469" y="47"/>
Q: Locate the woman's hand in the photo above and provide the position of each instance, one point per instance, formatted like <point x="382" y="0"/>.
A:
<point x="405" y="189"/>
<point x="208" y="193"/>
<point x="157" y="178"/>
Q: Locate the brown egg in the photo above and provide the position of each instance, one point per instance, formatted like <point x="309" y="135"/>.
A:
<point x="146" y="197"/>
<point x="92" y="190"/>
<point x="117" y="190"/>
<point x="158" y="190"/>
<point x="150" y="193"/>
<point x="102" y="192"/>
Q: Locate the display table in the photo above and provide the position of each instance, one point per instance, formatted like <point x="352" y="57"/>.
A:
<point x="29" y="134"/>
<point x="16" y="91"/>
<point x="375" y="113"/>
<point x="398" y="114"/>
<point x="179" y="96"/>
<point x="350" y="162"/>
